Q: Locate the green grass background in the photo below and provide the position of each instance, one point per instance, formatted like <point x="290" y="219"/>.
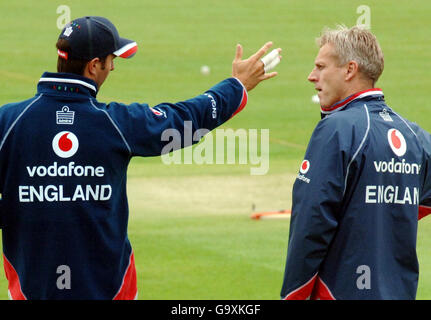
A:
<point x="190" y="225"/>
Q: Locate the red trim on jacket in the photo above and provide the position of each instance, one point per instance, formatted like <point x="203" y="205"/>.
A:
<point x="242" y="104"/>
<point x="129" y="288"/>
<point x="321" y="291"/>
<point x="303" y="292"/>
<point x="313" y="289"/>
<point x="14" y="287"/>
<point x="343" y="103"/>
<point x="423" y="211"/>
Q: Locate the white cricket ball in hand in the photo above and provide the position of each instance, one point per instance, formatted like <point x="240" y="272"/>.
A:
<point x="205" y="70"/>
<point x="315" y="99"/>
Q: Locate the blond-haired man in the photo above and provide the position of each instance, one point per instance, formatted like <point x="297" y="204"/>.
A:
<point x="358" y="190"/>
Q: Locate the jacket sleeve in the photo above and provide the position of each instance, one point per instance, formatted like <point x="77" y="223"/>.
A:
<point x="316" y="205"/>
<point x="167" y="127"/>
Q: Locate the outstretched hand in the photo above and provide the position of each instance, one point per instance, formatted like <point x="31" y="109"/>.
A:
<point x="251" y="71"/>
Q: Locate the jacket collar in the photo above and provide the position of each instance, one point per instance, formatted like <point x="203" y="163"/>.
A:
<point x="375" y="92"/>
<point x="66" y="84"/>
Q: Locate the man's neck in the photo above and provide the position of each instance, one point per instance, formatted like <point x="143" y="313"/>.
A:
<point x="358" y="87"/>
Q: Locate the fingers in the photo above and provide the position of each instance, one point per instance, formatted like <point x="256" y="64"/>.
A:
<point x="238" y="54"/>
<point x="260" y="53"/>
<point x="253" y="70"/>
<point x="270" y="57"/>
<point x="271" y="60"/>
<point x="267" y="76"/>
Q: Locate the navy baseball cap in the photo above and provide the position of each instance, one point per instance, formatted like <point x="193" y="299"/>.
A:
<point x="95" y="37"/>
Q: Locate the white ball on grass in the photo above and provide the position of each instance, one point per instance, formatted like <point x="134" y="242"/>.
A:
<point x="205" y="70"/>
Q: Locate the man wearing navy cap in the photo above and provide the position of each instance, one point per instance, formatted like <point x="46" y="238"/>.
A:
<point x="63" y="165"/>
<point x="91" y="42"/>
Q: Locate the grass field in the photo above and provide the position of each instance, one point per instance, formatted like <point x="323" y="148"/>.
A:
<point x="190" y="225"/>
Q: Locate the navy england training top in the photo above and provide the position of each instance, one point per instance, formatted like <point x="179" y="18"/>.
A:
<point x="63" y="165"/>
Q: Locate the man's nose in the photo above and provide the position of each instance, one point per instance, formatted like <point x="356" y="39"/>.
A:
<point x="312" y="76"/>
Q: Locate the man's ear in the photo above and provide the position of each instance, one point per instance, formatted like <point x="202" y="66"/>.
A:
<point x="91" y="67"/>
<point x="351" y="70"/>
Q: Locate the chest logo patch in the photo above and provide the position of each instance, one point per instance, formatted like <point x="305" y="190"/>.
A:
<point x="65" y="116"/>
<point x="65" y="144"/>
<point x="305" y="166"/>
<point x="397" y="142"/>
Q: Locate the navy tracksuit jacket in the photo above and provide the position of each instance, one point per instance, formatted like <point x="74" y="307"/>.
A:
<point x="355" y="205"/>
<point x="63" y="164"/>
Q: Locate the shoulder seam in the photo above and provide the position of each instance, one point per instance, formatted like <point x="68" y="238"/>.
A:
<point x="115" y="126"/>
<point x="403" y="120"/>
<point x="17" y="119"/>
<point x="359" y="148"/>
